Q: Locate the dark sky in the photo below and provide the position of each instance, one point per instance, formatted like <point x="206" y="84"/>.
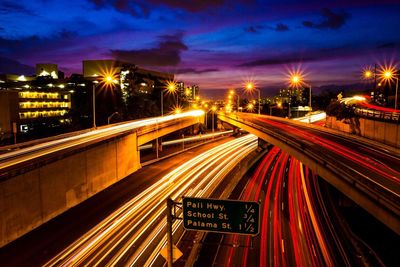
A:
<point x="213" y="43"/>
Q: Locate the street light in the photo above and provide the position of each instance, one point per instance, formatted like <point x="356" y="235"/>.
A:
<point x="232" y="92"/>
<point x="112" y="115"/>
<point x="250" y="107"/>
<point x="296" y="80"/>
<point x="213" y="108"/>
<point x="367" y="74"/>
<point x="106" y="80"/>
<point x="388" y="74"/>
<point x="250" y="87"/>
<point x="178" y="110"/>
<point x="170" y="88"/>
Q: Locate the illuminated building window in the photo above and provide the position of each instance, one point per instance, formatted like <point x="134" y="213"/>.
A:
<point x="46" y="104"/>
<point x="38" y="95"/>
<point x="41" y="114"/>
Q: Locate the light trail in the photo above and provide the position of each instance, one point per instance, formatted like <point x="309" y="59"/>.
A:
<point x="130" y="234"/>
<point x="28" y="153"/>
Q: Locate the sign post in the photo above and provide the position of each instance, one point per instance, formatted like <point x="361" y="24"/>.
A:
<point x="223" y="216"/>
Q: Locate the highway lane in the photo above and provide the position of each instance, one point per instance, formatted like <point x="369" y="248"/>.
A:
<point x="372" y="169"/>
<point x="135" y="233"/>
<point x="12" y="158"/>
<point x="296" y="227"/>
<point x="37" y="247"/>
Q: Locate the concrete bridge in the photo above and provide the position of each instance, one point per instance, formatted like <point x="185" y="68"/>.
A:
<point x="40" y="182"/>
<point x="365" y="171"/>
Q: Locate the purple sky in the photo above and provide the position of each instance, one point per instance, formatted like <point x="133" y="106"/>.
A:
<point x="214" y="43"/>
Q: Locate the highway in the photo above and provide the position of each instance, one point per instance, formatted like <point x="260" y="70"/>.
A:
<point x="298" y="227"/>
<point x="371" y="168"/>
<point x="20" y="156"/>
<point x="134" y="234"/>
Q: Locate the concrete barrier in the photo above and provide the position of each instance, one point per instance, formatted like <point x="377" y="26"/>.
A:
<point x="384" y="132"/>
<point x="33" y="198"/>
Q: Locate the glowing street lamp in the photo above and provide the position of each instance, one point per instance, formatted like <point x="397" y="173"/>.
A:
<point x="232" y="93"/>
<point x="250" y="107"/>
<point x="250" y="87"/>
<point x="107" y="80"/>
<point x="388" y="74"/>
<point x="170" y="88"/>
<point x="296" y="80"/>
<point x="178" y="110"/>
<point x="368" y="74"/>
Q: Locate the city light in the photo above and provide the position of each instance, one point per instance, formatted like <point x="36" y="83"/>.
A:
<point x="250" y="107"/>
<point x="250" y="86"/>
<point x="296" y="80"/>
<point x="387" y="73"/>
<point x="367" y="74"/>
<point x="171" y="86"/>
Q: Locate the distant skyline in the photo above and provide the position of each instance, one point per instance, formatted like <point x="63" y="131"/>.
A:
<point x="214" y="43"/>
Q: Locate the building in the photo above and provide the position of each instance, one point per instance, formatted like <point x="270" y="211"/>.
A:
<point x="31" y="104"/>
<point x="132" y="79"/>
<point x="190" y="93"/>
<point x="26" y="106"/>
<point x="47" y="69"/>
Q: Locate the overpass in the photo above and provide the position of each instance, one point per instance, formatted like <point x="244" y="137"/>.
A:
<point x="40" y="182"/>
<point x="365" y="171"/>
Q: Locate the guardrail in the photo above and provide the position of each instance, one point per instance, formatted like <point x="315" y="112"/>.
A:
<point x="378" y="115"/>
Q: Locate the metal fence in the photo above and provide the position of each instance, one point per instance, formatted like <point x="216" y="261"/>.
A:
<point x="378" y="115"/>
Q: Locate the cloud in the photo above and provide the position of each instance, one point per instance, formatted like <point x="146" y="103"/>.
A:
<point x="253" y="29"/>
<point x="195" y="71"/>
<point x="136" y="9"/>
<point x="143" y="7"/>
<point x="278" y="60"/>
<point x="10" y="66"/>
<point x="191" y="6"/>
<point x="280" y="27"/>
<point x="388" y="46"/>
<point x="168" y="53"/>
<point x="7" y="7"/>
<point x="304" y="56"/>
<point x="34" y="44"/>
<point x="330" y="20"/>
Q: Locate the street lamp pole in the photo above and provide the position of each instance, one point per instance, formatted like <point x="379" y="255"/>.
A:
<point x="106" y="80"/>
<point x="94" y="105"/>
<point x="395" y="96"/>
<point x="213" y="108"/>
<point x="250" y="86"/>
<point x="212" y="126"/>
<point x="162" y="103"/>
